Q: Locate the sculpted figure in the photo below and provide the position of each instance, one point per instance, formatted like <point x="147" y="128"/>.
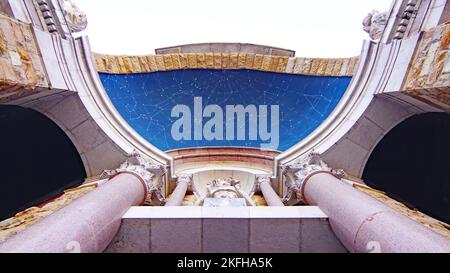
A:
<point x="374" y="24"/>
<point x="76" y="19"/>
<point x="226" y="188"/>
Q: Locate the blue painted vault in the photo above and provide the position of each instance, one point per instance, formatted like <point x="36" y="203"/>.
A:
<point x="146" y="102"/>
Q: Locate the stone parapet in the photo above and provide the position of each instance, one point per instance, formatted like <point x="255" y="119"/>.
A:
<point x="226" y="48"/>
<point x="225" y="230"/>
<point x="279" y="64"/>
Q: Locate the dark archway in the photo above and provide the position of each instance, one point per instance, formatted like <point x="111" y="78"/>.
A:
<point x="38" y="160"/>
<point x="412" y="164"/>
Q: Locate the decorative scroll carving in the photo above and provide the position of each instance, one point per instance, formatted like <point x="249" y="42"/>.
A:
<point x="150" y="172"/>
<point x="297" y="172"/>
<point x="76" y="19"/>
<point x="374" y="24"/>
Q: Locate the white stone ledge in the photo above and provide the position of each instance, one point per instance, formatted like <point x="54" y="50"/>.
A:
<point x="303" y="212"/>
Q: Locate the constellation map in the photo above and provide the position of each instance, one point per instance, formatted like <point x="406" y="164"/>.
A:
<point x="146" y="100"/>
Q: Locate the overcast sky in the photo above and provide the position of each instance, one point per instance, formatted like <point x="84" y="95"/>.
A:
<point x="313" y="28"/>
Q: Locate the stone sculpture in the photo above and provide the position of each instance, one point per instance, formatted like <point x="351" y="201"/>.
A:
<point x="76" y="19"/>
<point x="374" y="24"/>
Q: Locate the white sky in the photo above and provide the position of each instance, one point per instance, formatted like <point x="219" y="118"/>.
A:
<point x="313" y="28"/>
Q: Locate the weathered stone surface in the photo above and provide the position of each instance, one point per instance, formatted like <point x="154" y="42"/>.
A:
<point x="429" y="76"/>
<point x="21" y="68"/>
<point x="257" y="64"/>
<point x="160" y="62"/>
<point x="217" y="60"/>
<point x="209" y="60"/>
<point x="242" y="60"/>
<point x="233" y="60"/>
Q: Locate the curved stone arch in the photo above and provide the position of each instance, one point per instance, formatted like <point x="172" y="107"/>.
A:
<point x="382" y="69"/>
<point x="91" y="142"/>
<point x="70" y="135"/>
<point x="54" y="162"/>
<point x="97" y="103"/>
<point x="381" y="116"/>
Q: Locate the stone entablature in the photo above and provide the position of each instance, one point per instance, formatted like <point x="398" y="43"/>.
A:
<point x="280" y="64"/>
<point x="429" y="77"/>
<point x="191" y="158"/>
<point x="21" y="68"/>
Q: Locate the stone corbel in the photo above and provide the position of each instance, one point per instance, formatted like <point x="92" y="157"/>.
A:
<point x="150" y="173"/>
<point x="297" y="173"/>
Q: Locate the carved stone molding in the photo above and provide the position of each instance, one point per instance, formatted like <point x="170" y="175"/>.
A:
<point x="297" y="173"/>
<point x="151" y="174"/>
<point x="48" y="16"/>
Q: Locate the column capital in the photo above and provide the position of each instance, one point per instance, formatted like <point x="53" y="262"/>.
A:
<point x="150" y="173"/>
<point x="265" y="178"/>
<point x="185" y="178"/>
<point x="298" y="172"/>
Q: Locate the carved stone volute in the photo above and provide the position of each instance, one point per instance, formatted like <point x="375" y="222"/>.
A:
<point x="299" y="171"/>
<point x="150" y="172"/>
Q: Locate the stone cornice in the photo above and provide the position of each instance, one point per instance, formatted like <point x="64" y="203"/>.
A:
<point x="280" y="64"/>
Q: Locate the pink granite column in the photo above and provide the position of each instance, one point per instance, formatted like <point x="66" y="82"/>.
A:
<point x="271" y="197"/>
<point x="177" y="196"/>
<point x="362" y="223"/>
<point x="88" y="224"/>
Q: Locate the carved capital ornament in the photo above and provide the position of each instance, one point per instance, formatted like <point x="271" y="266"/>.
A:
<point x="150" y="173"/>
<point x="298" y="172"/>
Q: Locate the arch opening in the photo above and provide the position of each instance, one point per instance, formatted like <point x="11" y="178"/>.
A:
<point x="411" y="164"/>
<point x="38" y="160"/>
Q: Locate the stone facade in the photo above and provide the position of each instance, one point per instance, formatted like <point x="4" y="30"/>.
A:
<point x="280" y="64"/>
<point x="429" y="77"/>
<point x="21" y="68"/>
